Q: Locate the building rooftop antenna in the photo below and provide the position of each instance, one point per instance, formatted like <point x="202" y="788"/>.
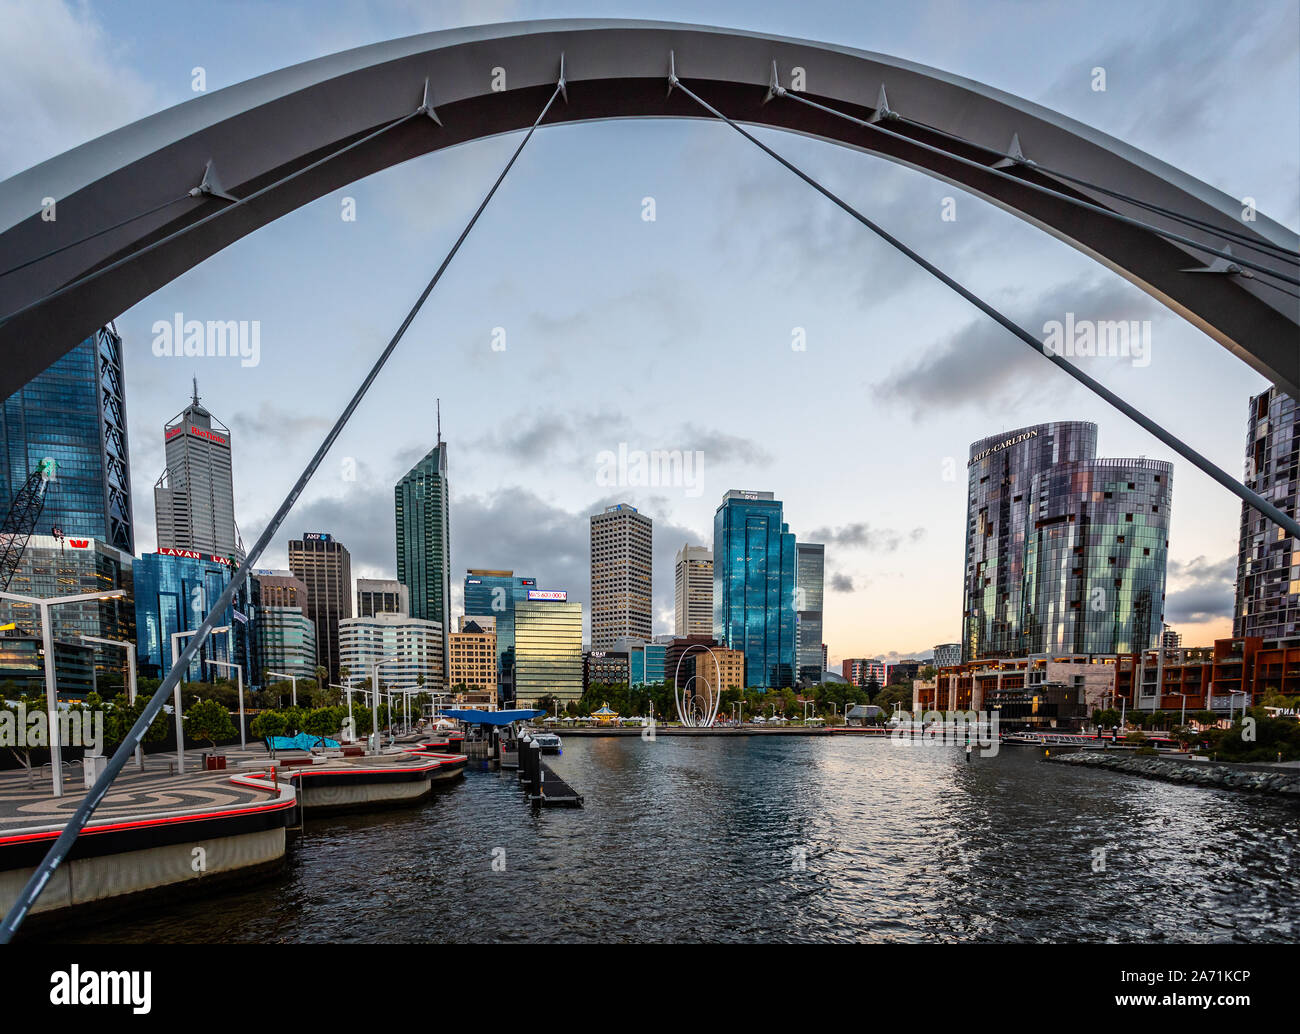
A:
<point x="438" y="403"/>
<point x="196" y="391"/>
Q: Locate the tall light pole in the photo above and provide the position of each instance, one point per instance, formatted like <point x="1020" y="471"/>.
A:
<point x="44" y="606"/>
<point x="239" y="677"/>
<point x="176" y="695"/>
<point x="292" y="678"/>
<point x="130" y="679"/>
<point x="374" y="698"/>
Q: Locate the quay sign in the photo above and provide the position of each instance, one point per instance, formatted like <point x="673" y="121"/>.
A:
<point x="1024" y="436"/>
<point x="548" y="594"/>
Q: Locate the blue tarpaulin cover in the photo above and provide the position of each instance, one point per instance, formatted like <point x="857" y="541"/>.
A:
<point x="475" y="717"/>
<point x="300" y="742"/>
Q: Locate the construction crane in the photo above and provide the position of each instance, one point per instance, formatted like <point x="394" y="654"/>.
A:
<point x="20" y="521"/>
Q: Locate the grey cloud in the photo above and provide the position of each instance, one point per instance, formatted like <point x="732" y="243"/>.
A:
<point x="841" y="583"/>
<point x="982" y="359"/>
<point x="862" y="536"/>
<point x="1206" y="592"/>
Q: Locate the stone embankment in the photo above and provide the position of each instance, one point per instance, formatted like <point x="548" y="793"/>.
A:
<point x="1250" y="778"/>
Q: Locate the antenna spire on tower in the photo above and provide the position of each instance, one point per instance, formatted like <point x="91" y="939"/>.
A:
<point x="438" y="403"/>
<point x="196" y="391"/>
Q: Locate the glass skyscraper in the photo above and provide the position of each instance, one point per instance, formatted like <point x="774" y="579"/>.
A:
<point x="1268" y="560"/>
<point x="423" y="522"/>
<point x="174" y="592"/>
<point x="754" y="586"/>
<point x="75" y="413"/>
<point x="548" y="650"/>
<point x="810" y="569"/>
<point x="1064" y="552"/>
<point x="494" y="594"/>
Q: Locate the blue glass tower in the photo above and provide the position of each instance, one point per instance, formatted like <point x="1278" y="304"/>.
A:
<point x="74" y="412"/>
<point x="754" y="587"/>
<point x="173" y="593"/>
<point x="494" y="594"/>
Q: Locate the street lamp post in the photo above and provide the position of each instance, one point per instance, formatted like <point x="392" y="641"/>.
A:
<point x="130" y="679"/>
<point x="176" y="694"/>
<point x="239" y="677"/>
<point x="293" y="679"/>
<point x="374" y="698"/>
<point x="45" y="605"/>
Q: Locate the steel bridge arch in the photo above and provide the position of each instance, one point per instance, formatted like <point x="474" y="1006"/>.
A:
<point x="252" y="134"/>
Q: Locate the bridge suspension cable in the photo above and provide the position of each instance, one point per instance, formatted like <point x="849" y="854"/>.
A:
<point x="1187" y="452"/>
<point x="1108" y="213"/>
<point x="59" y="850"/>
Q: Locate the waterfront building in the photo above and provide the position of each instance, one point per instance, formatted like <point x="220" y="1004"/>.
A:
<point x="605" y="667"/>
<point x="1065" y="552"/>
<point x="547" y="648"/>
<point x="947" y="654"/>
<point x="382" y="596"/>
<point x="810" y="567"/>
<point x="74" y="412"/>
<point x="68" y="567"/>
<point x="725" y="668"/>
<point x="1268" y="560"/>
<point x="194" y="499"/>
<point x="753" y="586"/>
<point x="620" y="575"/>
<point x="902" y="671"/>
<point x="474" y="657"/>
<point x="693" y="591"/>
<point x="280" y="589"/>
<point x="325" y="567"/>
<point x="862" y="671"/>
<point x="416" y="643"/>
<point x="493" y="594"/>
<point x="175" y="590"/>
<point x="421" y="509"/>
<point x="645" y="660"/>
<point x="286" y="639"/>
<point x="22" y="668"/>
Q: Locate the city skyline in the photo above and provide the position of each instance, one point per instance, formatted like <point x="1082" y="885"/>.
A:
<point x="875" y="605"/>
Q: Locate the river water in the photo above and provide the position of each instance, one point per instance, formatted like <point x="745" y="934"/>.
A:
<point x="778" y="839"/>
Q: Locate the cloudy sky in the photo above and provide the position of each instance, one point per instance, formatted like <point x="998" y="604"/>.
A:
<point x="676" y="334"/>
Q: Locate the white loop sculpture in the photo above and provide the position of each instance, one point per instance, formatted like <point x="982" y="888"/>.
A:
<point x="696" y="711"/>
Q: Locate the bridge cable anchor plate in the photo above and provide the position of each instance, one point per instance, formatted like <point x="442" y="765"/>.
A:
<point x="672" y="73"/>
<point x="883" y="110"/>
<point x="774" y="87"/>
<point x="1220" y="265"/>
<point x="1015" y="156"/>
<point x="426" y="104"/>
<point x="563" y="84"/>
<point x="210" y="185"/>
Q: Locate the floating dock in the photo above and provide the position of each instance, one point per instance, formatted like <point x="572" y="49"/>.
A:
<point x="542" y="786"/>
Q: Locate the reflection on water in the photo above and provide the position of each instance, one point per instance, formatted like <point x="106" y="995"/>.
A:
<point x="789" y="839"/>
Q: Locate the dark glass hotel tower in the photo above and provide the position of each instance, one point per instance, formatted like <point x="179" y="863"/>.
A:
<point x="325" y="568"/>
<point x="1268" y="560"/>
<point x="74" y="412"/>
<point x="753" y="587"/>
<point x="1064" y="552"/>
<point x="422" y="518"/>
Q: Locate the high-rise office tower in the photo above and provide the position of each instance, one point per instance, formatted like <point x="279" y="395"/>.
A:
<point x="810" y="568"/>
<point x="620" y="575"/>
<point x="493" y="594"/>
<point x="1065" y="552"/>
<point x="325" y="568"/>
<point x="75" y="413"/>
<point x="194" y="499"/>
<point x="1268" y="560"/>
<point x="423" y="522"/>
<point x="753" y="586"/>
<point x="693" y="592"/>
<point x="548" y="648"/>
<point x="381" y="596"/>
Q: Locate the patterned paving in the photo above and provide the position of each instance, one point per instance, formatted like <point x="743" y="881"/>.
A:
<point x="151" y="794"/>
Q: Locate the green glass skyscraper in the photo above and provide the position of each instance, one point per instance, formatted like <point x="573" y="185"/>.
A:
<point x="420" y="506"/>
